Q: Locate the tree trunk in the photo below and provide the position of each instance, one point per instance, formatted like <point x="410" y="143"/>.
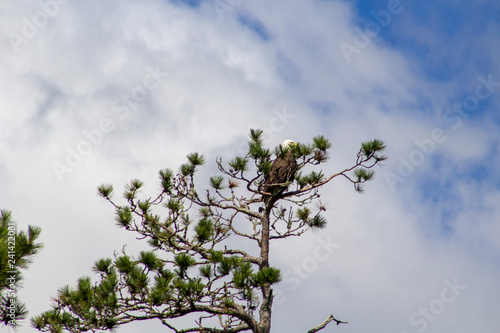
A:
<point x="267" y="292"/>
<point x="265" y="310"/>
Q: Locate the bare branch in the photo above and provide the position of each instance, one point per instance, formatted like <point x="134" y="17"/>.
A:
<point x="326" y="322"/>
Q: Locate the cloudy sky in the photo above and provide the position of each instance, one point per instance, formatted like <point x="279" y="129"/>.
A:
<point x="105" y="91"/>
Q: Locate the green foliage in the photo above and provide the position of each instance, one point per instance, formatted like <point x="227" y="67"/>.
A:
<point x="105" y="190"/>
<point x="256" y="134"/>
<point x="216" y="182"/>
<point x="150" y="260"/>
<point x="321" y="143"/>
<point x="174" y="205"/>
<point x="239" y="164"/>
<point x="267" y="275"/>
<point x="302" y="150"/>
<point x="216" y="256"/>
<point x="124" y="217"/>
<point x="303" y="213"/>
<point x="183" y="261"/>
<point x="94" y="304"/>
<point x="144" y="206"/>
<point x="205" y="212"/>
<point x="9" y="303"/>
<point x="137" y="281"/>
<point x="103" y="266"/>
<point x="256" y="148"/>
<point x="196" y="159"/>
<point x="225" y="266"/>
<point x="242" y="275"/>
<point x="264" y="166"/>
<point x="84" y="289"/>
<point x="314" y="153"/>
<point x="135" y="184"/>
<point x="161" y="291"/>
<point x="187" y="169"/>
<point x="206" y="271"/>
<point x="372" y="148"/>
<point x="17" y="249"/>
<point x="124" y="264"/>
<point x="167" y="180"/>
<point x="191" y="289"/>
<point x="362" y="175"/>
<point x="108" y="287"/>
<point x="204" y="230"/>
<point x="309" y="179"/>
<point x="167" y="274"/>
<point x="315" y="222"/>
<point x="132" y="188"/>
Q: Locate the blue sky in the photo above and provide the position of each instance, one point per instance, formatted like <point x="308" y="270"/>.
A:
<point x="105" y="91"/>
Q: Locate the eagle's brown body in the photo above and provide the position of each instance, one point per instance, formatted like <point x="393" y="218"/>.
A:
<point x="281" y="174"/>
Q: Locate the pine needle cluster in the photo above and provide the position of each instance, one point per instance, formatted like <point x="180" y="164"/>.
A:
<point x="17" y="250"/>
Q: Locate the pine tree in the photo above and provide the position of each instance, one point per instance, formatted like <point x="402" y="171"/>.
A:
<point x="190" y="268"/>
<point x="16" y="252"/>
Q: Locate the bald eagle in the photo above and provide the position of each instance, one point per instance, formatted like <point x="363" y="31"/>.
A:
<point x="282" y="172"/>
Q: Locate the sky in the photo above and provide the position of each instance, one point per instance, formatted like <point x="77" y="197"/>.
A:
<point x="107" y="91"/>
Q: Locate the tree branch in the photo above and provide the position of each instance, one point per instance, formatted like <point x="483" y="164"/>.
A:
<point x="326" y="322"/>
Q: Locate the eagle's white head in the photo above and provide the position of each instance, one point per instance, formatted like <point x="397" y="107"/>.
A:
<point x="287" y="143"/>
